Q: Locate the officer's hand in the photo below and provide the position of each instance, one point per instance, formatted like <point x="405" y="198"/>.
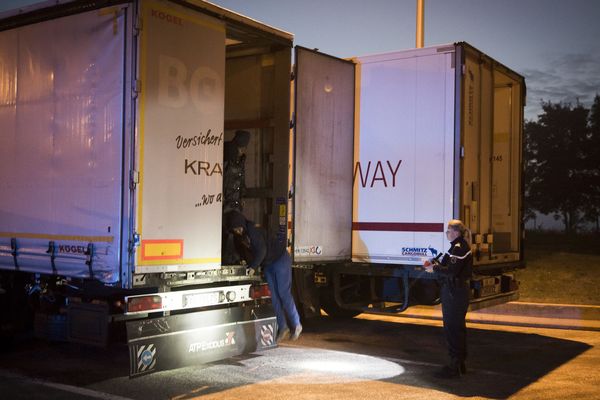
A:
<point x="428" y="266"/>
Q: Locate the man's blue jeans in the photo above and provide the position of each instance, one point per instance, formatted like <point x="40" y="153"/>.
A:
<point x="279" y="278"/>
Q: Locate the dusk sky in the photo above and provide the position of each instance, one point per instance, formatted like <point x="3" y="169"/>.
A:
<point x="555" y="44"/>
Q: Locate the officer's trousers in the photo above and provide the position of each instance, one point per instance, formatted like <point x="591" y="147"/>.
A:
<point x="455" y="301"/>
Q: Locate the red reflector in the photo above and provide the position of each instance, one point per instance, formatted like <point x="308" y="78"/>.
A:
<point x="145" y="303"/>
<point x="256" y="292"/>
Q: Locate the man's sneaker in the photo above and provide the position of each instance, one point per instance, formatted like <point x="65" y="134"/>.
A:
<point x="283" y="334"/>
<point x="297" y="332"/>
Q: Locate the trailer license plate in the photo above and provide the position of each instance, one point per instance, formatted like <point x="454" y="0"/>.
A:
<point x="200" y="299"/>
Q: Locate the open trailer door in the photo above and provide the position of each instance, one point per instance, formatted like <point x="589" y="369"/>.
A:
<point x="323" y="157"/>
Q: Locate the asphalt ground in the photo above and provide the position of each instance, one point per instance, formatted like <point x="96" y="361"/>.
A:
<point x="368" y="357"/>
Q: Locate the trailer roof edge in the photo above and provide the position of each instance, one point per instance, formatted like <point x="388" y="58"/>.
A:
<point x="237" y="17"/>
<point x="51" y="9"/>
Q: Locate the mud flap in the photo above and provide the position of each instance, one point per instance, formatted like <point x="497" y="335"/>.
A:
<point x="175" y="341"/>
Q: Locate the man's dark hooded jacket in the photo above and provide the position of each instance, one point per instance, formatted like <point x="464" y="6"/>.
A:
<point x="253" y="246"/>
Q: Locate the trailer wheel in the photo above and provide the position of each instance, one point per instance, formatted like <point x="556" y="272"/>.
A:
<point x="332" y="308"/>
<point x="426" y="292"/>
<point x="17" y="313"/>
<point x="306" y="295"/>
<point x="350" y="291"/>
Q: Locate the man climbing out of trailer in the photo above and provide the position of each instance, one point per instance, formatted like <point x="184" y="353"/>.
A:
<point x="234" y="187"/>
<point x="256" y="249"/>
<point x="234" y="171"/>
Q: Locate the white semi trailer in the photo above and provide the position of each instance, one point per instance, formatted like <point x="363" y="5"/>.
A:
<point x="424" y="136"/>
<point x="113" y="118"/>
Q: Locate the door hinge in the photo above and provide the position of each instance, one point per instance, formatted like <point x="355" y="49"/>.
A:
<point x="292" y="76"/>
<point x="137" y="86"/>
<point x="135" y="240"/>
<point x="134" y="179"/>
<point x="293" y="121"/>
<point x="137" y="26"/>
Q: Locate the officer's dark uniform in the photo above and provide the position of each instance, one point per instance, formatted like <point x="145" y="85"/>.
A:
<point x="456" y="269"/>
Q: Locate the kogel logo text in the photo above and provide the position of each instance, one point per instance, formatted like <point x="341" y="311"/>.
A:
<point x="166" y="17"/>
<point x="72" y="249"/>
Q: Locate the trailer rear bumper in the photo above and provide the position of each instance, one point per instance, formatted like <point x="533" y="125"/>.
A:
<point x="194" y="338"/>
<point x="494" y="300"/>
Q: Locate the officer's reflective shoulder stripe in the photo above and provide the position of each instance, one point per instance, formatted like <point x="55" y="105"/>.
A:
<point x="461" y="257"/>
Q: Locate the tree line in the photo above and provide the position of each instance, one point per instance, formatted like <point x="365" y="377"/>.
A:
<point x="562" y="164"/>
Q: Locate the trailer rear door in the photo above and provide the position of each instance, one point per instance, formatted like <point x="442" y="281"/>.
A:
<point x="323" y="157"/>
<point x="182" y="70"/>
<point x="405" y="146"/>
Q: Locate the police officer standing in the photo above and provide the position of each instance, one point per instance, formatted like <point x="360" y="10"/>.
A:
<point x="455" y="270"/>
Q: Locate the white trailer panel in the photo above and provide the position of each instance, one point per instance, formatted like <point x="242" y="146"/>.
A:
<point x="61" y="118"/>
<point x="404" y="156"/>
<point x="181" y="124"/>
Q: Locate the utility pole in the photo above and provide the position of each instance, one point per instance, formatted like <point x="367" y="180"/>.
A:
<point x="420" y="24"/>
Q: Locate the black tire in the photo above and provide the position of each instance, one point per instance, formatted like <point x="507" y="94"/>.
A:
<point x="332" y="308"/>
<point x="425" y="292"/>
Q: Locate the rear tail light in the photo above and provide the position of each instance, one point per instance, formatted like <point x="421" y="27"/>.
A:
<point x="144" y="303"/>
<point x="260" y="291"/>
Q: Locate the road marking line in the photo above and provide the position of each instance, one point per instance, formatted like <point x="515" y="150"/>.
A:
<point x="186" y="395"/>
<point x="492" y="319"/>
<point x="556" y="304"/>
<point x="60" y="386"/>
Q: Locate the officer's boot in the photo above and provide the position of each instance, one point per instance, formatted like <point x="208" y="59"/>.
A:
<point x="463" y="367"/>
<point x="450" y="371"/>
